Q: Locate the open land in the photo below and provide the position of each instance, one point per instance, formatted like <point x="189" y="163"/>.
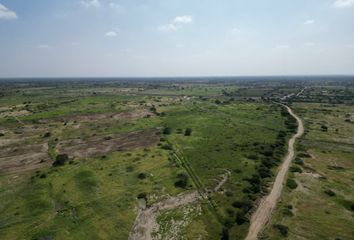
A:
<point x="175" y="158"/>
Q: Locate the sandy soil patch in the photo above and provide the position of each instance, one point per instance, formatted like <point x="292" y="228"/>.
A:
<point x="23" y="158"/>
<point x="96" y="146"/>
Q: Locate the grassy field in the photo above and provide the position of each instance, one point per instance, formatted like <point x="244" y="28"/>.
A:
<point x="134" y="144"/>
<point x="322" y="205"/>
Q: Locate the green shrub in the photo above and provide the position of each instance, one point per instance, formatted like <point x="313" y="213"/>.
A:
<point x="142" y="176"/>
<point x="142" y="195"/>
<point x="130" y="169"/>
<point x="299" y="161"/>
<point x="241" y="218"/>
<point x="295" y="169"/>
<point x="330" y="193"/>
<point x="291" y="183"/>
<point x="167" y="131"/>
<point x="283" y="230"/>
<point x="188" y="132"/>
<point x="60" y="160"/>
<point x="182" y="180"/>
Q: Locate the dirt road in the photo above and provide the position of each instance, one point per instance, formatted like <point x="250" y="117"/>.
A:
<point x="145" y="222"/>
<point x="264" y="211"/>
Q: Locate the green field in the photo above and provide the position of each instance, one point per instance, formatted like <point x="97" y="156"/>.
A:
<point x="131" y="144"/>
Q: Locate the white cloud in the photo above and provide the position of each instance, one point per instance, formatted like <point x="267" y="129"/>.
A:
<point x="179" y="45"/>
<point x="111" y="34"/>
<point x="90" y="3"/>
<point x="183" y="19"/>
<point x="6" y="13"/>
<point x="176" y="24"/>
<point x="168" y="28"/>
<point x="309" y="22"/>
<point x="283" y="46"/>
<point x="343" y="3"/>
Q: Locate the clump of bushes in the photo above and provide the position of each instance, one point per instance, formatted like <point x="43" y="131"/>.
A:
<point x="295" y="169"/>
<point x="182" y="180"/>
<point x="283" y="230"/>
<point x="291" y="183"/>
<point x="299" y="161"/>
<point x="330" y="193"/>
<point x="241" y="217"/>
<point x="60" y="160"/>
<point x="167" y="146"/>
<point x="304" y="155"/>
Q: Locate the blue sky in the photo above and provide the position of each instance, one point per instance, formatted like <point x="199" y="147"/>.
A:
<point x="41" y="38"/>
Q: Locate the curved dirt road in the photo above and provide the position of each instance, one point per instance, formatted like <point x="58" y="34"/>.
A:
<point x="145" y="223"/>
<point x="263" y="213"/>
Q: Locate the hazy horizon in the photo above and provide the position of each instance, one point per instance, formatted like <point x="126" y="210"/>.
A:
<point x="145" y="38"/>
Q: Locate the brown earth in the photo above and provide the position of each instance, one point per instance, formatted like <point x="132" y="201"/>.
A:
<point x="122" y="116"/>
<point x="23" y="158"/>
<point x="96" y="146"/>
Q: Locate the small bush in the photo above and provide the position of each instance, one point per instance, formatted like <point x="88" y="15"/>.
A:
<point x="130" y="169"/>
<point x="295" y="169"/>
<point x="283" y="230"/>
<point x="167" y="146"/>
<point x="241" y="218"/>
<point x="142" y="196"/>
<point x="330" y="193"/>
<point x="291" y="183"/>
<point x="299" y="161"/>
<point x="182" y="180"/>
<point x="47" y="135"/>
<point x="43" y="175"/>
<point x="188" y="132"/>
<point x="166" y="131"/>
<point x="304" y="155"/>
<point x="60" y="160"/>
<point x="142" y="176"/>
<point x="288" y="212"/>
<point x="225" y="234"/>
<point x="324" y="128"/>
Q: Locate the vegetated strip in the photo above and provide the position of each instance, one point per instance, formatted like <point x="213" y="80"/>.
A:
<point x="263" y="213"/>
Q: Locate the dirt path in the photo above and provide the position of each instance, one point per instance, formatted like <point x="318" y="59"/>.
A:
<point x="264" y="211"/>
<point x="145" y="222"/>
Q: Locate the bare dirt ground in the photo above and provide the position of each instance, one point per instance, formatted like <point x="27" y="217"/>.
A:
<point x="96" y="146"/>
<point x="122" y="116"/>
<point x="23" y="158"/>
<point x="145" y="223"/>
<point x="264" y="211"/>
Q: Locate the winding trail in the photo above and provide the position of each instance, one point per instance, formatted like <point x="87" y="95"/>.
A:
<point x="264" y="211"/>
<point x="145" y="223"/>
